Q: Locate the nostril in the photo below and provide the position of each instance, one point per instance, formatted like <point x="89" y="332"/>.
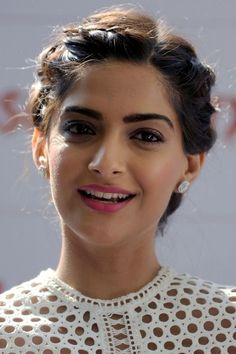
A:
<point x="104" y="169"/>
<point x="94" y="168"/>
<point x="115" y="172"/>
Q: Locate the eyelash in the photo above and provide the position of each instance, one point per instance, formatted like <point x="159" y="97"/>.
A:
<point x="68" y="125"/>
<point x="84" y="129"/>
<point x="156" y="137"/>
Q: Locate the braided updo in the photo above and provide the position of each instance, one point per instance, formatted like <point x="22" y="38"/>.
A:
<point x="131" y="36"/>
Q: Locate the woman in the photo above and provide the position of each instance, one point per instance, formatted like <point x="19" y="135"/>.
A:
<point x="122" y="124"/>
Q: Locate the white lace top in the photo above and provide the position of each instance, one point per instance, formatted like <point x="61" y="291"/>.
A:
<point x="172" y="314"/>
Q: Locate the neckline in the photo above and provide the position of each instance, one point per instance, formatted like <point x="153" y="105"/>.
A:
<point x="65" y="291"/>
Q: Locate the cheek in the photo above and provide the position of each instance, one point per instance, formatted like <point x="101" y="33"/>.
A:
<point x="60" y="162"/>
<point x="63" y="168"/>
<point x="67" y="168"/>
<point x="162" y="176"/>
<point x="56" y="163"/>
<point x="157" y="187"/>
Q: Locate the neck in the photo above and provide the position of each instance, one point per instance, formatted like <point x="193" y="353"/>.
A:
<point x="107" y="273"/>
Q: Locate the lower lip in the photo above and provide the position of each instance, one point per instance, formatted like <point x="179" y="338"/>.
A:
<point x="103" y="206"/>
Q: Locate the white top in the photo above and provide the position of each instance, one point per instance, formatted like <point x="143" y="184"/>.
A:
<point x="172" y="314"/>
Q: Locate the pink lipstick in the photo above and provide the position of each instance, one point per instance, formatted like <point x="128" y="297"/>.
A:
<point x="105" y="188"/>
<point x="105" y="198"/>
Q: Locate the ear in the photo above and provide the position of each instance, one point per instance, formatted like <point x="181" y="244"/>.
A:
<point x="195" y="164"/>
<point x="39" y="149"/>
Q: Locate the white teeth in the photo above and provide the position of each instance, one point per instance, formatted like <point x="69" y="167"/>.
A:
<point x="98" y="194"/>
<point x="122" y="196"/>
<point x="107" y="195"/>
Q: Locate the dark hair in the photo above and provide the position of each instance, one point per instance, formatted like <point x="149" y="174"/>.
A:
<point x="129" y="35"/>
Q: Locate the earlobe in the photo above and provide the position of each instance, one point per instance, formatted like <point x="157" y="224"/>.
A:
<point x="195" y="164"/>
<point x="183" y="187"/>
<point x="39" y="151"/>
<point x="37" y="145"/>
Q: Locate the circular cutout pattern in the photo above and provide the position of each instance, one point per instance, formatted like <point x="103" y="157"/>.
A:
<point x="3" y="343"/>
<point x="182" y="317"/>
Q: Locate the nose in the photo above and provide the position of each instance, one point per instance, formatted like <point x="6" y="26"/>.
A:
<point x="108" y="160"/>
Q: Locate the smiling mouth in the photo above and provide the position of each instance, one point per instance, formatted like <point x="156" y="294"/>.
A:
<point x="106" y="198"/>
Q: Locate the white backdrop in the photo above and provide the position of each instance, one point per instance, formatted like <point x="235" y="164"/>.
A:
<point x="201" y="237"/>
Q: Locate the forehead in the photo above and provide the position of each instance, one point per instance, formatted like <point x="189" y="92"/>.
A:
<point x="121" y="88"/>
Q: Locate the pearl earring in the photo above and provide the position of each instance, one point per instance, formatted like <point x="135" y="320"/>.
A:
<point x="43" y="166"/>
<point x="183" y="187"/>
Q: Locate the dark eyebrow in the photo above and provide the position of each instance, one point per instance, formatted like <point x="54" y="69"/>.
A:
<point x="83" y="110"/>
<point x="136" y="117"/>
<point x="139" y="117"/>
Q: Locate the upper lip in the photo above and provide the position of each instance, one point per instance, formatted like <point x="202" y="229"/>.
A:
<point x="104" y="189"/>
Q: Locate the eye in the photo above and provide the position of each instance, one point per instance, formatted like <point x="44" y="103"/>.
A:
<point x="148" y="136"/>
<point x="75" y="127"/>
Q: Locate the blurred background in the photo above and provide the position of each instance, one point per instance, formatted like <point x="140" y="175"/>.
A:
<point x="201" y="237"/>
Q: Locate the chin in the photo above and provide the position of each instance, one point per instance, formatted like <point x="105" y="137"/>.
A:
<point x="98" y="235"/>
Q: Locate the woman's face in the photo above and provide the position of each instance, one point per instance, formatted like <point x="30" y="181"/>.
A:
<point x="114" y="129"/>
